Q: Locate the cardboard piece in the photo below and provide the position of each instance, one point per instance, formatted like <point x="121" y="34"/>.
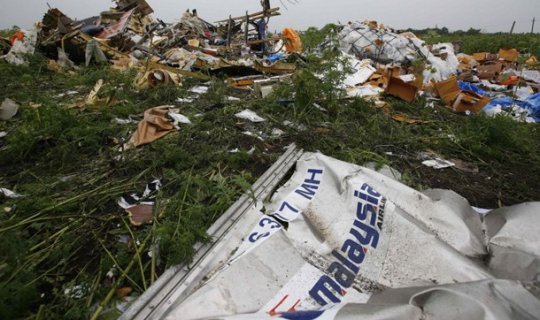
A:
<point x="276" y="68"/>
<point x="448" y="90"/>
<point x="140" y="214"/>
<point x="480" y="56"/>
<point x="532" y="60"/>
<point x="489" y="71"/>
<point x="378" y="80"/>
<point x="492" y="57"/>
<point x="155" y="125"/>
<point x="508" y="54"/>
<point x="401" y="89"/>
<point x="194" y="43"/>
<point x="457" y="100"/>
<point x="469" y="102"/>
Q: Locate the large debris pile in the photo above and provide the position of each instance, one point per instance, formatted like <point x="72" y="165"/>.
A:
<point x="380" y="59"/>
<point x="404" y="66"/>
<point x="127" y="36"/>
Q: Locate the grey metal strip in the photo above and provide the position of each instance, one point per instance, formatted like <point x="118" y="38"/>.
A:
<point x="155" y="302"/>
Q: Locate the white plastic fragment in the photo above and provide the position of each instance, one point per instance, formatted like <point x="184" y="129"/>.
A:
<point x="247" y="114"/>
<point x="75" y="292"/>
<point x="199" y="89"/>
<point x="364" y="91"/>
<point x="3" y="134"/>
<point x="8" y="109"/>
<point x="492" y="86"/>
<point x="290" y="124"/>
<point x="358" y="71"/>
<point x="178" y="119"/>
<point x="185" y="100"/>
<point x="276" y="132"/>
<point x="523" y="93"/>
<point x="124" y="121"/>
<point x="10" y="194"/>
<point x="67" y="93"/>
<point x="438" y="163"/>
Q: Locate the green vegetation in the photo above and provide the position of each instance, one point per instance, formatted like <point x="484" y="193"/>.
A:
<point x="67" y="231"/>
<point x="525" y="43"/>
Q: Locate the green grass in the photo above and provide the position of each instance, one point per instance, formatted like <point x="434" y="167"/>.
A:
<point x="491" y="42"/>
<point x="66" y="230"/>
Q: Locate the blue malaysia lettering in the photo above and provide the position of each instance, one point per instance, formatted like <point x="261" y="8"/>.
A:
<point x="364" y="233"/>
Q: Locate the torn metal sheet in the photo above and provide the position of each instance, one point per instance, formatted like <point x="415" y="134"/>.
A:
<point x="339" y="237"/>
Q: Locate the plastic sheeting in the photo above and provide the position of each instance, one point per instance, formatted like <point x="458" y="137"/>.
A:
<point x="340" y="241"/>
<point x="528" y="109"/>
<point x="16" y="54"/>
<point x="368" y="40"/>
<point x="376" y="43"/>
<point x="467" y="86"/>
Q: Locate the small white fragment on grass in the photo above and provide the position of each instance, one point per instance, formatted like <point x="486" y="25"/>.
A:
<point x="10" y="194"/>
<point x="317" y="106"/>
<point x="76" y="292"/>
<point x="251" y="134"/>
<point x="229" y="98"/>
<point x="199" y="89"/>
<point x="67" y="93"/>
<point x="235" y="150"/>
<point x="8" y="109"/>
<point x="299" y="127"/>
<point x="251" y="151"/>
<point x="178" y="119"/>
<point x="124" y="121"/>
<point x="3" y="134"/>
<point x="110" y="274"/>
<point x="123" y="238"/>
<point x="276" y="133"/>
<point x="438" y="163"/>
<point x="124" y="304"/>
<point x="249" y="115"/>
<point x="185" y="100"/>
